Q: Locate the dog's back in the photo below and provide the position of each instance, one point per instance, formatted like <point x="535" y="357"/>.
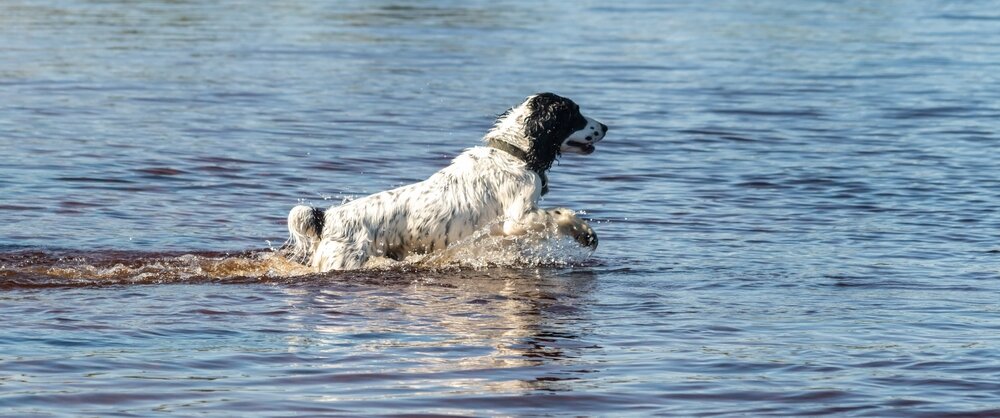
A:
<point x="413" y="219"/>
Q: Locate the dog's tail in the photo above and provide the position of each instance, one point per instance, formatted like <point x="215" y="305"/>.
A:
<point x="305" y="224"/>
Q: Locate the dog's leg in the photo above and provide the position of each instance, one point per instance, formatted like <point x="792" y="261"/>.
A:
<point x="559" y="220"/>
<point x="334" y="254"/>
<point x="568" y="224"/>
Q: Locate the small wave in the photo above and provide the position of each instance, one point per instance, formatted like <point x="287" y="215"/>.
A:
<point x="44" y="268"/>
<point x="33" y="268"/>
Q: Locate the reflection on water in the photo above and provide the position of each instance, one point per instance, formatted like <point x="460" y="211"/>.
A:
<point x="506" y="320"/>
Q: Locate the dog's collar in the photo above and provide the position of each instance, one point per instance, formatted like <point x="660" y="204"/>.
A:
<point x="520" y="155"/>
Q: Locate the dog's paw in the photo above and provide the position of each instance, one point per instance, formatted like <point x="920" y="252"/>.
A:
<point x="570" y="225"/>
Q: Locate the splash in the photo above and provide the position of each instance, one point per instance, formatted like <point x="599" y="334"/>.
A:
<point x="34" y="268"/>
<point x="483" y="250"/>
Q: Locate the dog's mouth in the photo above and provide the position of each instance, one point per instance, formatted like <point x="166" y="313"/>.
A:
<point x="584" y="147"/>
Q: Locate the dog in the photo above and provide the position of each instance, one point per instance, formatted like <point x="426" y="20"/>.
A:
<point x="496" y="185"/>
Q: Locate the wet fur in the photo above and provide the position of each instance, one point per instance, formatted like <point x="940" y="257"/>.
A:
<point x="482" y="186"/>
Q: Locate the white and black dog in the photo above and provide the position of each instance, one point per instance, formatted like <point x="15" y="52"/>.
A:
<point x="496" y="185"/>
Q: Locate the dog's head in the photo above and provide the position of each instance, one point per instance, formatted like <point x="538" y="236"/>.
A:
<point x="551" y="125"/>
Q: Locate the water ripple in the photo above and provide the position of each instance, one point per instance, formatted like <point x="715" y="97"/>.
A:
<point x="797" y="206"/>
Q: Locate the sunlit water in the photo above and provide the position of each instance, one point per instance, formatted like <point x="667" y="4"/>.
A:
<point x="798" y="206"/>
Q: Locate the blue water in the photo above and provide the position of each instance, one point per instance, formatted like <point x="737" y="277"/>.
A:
<point x="798" y="208"/>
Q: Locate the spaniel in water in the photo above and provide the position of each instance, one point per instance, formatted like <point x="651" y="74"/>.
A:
<point x="495" y="185"/>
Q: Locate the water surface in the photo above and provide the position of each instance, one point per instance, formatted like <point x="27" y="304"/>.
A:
<point x="798" y="207"/>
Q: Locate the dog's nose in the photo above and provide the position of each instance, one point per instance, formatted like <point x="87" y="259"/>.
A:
<point x="604" y="128"/>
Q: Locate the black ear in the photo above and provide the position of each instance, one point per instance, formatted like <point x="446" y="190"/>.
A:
<point x="548" y="124"/>
<point x="550" y="117"/>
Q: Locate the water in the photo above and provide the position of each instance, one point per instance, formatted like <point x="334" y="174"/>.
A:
<point x="798" y="208"/>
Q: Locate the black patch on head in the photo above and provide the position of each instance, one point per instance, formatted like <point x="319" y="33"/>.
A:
<point x="551" y="120"/>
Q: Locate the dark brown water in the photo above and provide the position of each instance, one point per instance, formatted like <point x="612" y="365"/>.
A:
<point x="798" y="207"/>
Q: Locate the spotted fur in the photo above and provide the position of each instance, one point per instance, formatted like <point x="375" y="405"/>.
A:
<point x="484" y="185"/>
